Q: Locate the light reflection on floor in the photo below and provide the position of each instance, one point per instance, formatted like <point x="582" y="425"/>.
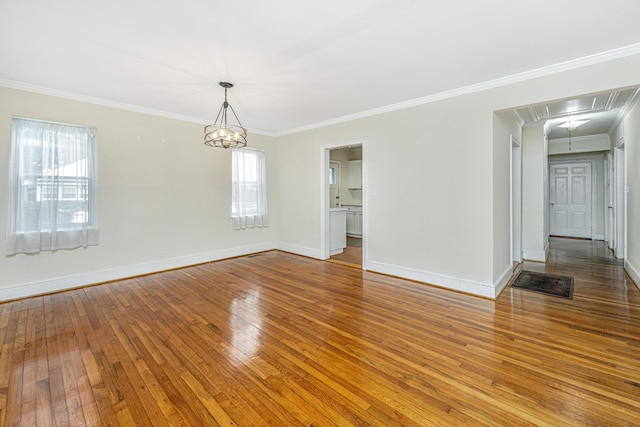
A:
<point x="246" y="322"/>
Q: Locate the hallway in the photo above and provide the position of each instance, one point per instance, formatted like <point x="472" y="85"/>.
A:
<point x="598" y="275"/>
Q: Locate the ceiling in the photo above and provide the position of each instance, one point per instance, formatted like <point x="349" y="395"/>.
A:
<point x="294" y="63"/>
<point x="602" y="113"/>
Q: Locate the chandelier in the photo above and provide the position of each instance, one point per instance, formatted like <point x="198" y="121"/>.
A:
<point x="221" y="134"/>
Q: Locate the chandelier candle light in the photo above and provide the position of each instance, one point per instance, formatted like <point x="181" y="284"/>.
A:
<point x="221" y="134"/>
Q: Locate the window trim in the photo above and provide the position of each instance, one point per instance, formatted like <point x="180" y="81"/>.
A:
<point x="24" y="239"/>
<point x="240" y="218"/>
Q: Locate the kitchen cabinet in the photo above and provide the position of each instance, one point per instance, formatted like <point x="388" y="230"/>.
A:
<point x="354" y="220"/>
<point x="354" y="174"/>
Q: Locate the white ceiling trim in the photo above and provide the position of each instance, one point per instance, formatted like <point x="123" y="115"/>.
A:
<point x="624" y="110"/>
<point x="503" y="81"/>
<point x="521" y="121"/>
<point x="491" y="84"/>
<point x="12" y="84"/>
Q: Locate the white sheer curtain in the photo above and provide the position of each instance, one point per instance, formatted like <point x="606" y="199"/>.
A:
<point x="249" y="189"/>
<point x="52" y="177"/>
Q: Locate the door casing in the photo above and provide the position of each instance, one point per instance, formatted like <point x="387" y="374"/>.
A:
<point x="325" y="229"/>
<point x="516" y="200"/>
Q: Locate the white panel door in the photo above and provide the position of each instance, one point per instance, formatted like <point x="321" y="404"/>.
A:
<point x="570" y="198"/>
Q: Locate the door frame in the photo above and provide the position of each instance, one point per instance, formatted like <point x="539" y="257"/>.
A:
<point x="325" y="231"/>
<point x="620" y="209"/>
<point x="607" y="200"/>
<point x="591" y="161"/>
<point x="516" y="200"/>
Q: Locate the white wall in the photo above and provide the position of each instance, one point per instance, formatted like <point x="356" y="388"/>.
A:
<point x="161" y="193"/>
<point x="425" y="206"/>
<point x="438" y="213"/>
<point x="581" y="144"/>
<point x="505" y="125"/>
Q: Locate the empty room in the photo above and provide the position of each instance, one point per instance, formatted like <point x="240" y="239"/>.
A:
<point x="247" y="213"/>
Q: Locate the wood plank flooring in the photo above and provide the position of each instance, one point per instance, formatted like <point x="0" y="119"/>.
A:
<point x="281" y="340"/>
<point x="351" y="255"/>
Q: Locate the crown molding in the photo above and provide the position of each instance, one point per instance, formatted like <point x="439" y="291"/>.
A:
<point x="465" y="90"/>
<point x="27" y="87"/>
<point x="521" y="121"/>
<point x="573" y="64"/>
<point x="625" y="110"/>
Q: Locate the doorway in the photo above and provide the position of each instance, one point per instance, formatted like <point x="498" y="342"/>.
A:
<point x="343" y="194"/>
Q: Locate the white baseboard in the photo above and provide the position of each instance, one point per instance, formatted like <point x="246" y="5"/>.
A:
<point x="503" y="280"/>
<point x="299" y="250"/>
<point x="70" y="282"/>
<point x="535" y="255"/>
<point x="468" y="286"/>
<point x="598" y="237"/>
<point x="633" y="272"/>
<point x="64" y="283"/>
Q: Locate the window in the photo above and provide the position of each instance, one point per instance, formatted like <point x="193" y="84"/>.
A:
<point x="53" y="187"/>
<point x="249" y="189"/>
<point x="68" y="193"/>
<point x="332" y="176"/>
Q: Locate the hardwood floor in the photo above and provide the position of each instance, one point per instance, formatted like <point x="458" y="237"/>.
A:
<point x="276" y="339"/>
<point x="351" y="255"/>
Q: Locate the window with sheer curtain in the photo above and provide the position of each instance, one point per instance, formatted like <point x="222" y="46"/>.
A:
<point x="249" y="189"/>
<point x="52" y="202"/>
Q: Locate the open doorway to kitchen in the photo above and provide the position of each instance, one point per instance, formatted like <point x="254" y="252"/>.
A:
<point x="344" y="203"/>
